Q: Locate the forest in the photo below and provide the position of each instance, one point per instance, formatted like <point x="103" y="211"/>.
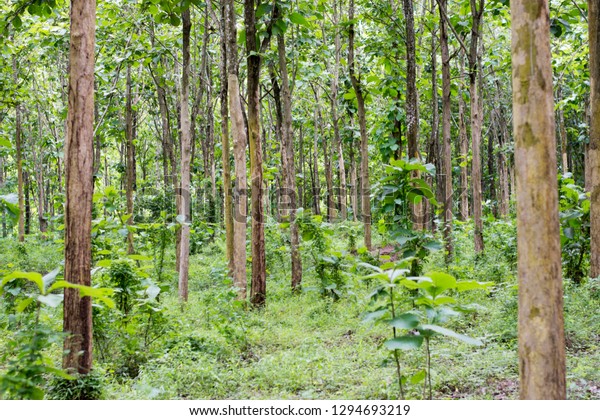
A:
<point x="300" y="199"/>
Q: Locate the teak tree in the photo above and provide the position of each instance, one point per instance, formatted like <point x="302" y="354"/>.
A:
<point x="594" y="149"/>
<point x="79" y="187"/>
<point x="541" y="326"/>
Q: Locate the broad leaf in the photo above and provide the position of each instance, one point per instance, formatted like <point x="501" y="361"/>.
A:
<point x="406" y="342"/>
<point x="453" y="334"/>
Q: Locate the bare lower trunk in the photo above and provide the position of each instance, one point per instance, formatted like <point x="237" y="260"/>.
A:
<point x="19" y="158"/>
<point x="446" y="134"/>
<point x="79" y="187"/>
<point x="541" y="329"/>
<point x="130" y="164"/>
<point x="476" y="121"/>
<point x="238" y="132"/>
<point x="594" y="147"/>
<point x="365" y="190"/>
<point x="186" y="150"/>
<point x="464" y="153"/>
<point x="335" y="118"/>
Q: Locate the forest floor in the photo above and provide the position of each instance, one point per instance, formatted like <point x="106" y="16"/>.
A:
<point x="306" y="346"/>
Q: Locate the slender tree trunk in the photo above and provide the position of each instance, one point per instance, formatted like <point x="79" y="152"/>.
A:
<point x="238" y="132"/>
<point x="326" y="157"/>
<point x="476" y="120"/>
<point x="258" y="284"/>
<point x="562" y="129"/>
<point x="412" y="106"/>
<point x="594" y="147"/>
<point x="130" y="164"/>
<point x="335" y="117"/>
<point x="316" y="185"/>
<point x="225" y="155"/>
<point x="184" y="194"/>
<point x="353" y="183"/>
<point x="27" y="189"/>
<point x="504" y="197"/>
<point x="79" y="187"/>
<point x="19" y="157"/>
<point x="464" y="152"/>
<point x="446" y="133"/>
<point x="541" y="329"/>
<point x="302" y="171"/>
<point x="365" y="190"/>
<point x="288" y="165"/>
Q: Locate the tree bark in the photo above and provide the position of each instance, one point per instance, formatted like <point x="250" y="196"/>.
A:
<point x="258" y="284"/>
<point x="238" y="132"/>
<point x="184" y="193"/>
<point x="412" y="106"/>
<point x="288" y="165"/>
<point x="365" y="190"/>
<point x="316" y="184"/>
<point x="464" y="151"/>
<point x="334" y="115"/>
<point x="79" y="187"/>
<point x="476" y="121"/>
<point x="130" y="163"/>
<point x="19" y="158"/>
<point x="594" y="147"/>
<point x="225" y="156"/>
<point x="446" y="133"/>
<point x="541" y="329"/>
<point x="504" y="197"/>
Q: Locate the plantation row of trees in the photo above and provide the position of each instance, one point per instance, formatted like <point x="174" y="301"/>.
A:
<point x="393" y="113"/>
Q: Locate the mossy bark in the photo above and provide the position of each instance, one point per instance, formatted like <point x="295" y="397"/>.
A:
<point x="541" y="326"/>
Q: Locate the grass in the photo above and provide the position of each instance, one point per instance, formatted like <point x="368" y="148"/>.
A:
<point x="305" y="346"/>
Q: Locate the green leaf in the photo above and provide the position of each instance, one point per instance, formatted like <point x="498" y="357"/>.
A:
<point x="52" y="300"/>
<point x="405" y="321"/>
<point x="453" y="334"/>
<point x="24" y="304"/>
<point x="442" y="281"/>
<point x="418" y="377"/>
<point x="50" y="277"/>
<point x="406" y="342"/>
<point x="59" y="372"/>
<point x="31" y="276"/>
<point x="5" y="143"/>
<point x="298" y="19"/>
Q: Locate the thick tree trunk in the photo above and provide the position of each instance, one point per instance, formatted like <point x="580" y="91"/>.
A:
<point x="541" y="330"/>
<point x="594" y="147"/>
<point x="184" y="193"/>
<point x="238" y="132"/>
<point x="288" y="165"/>
<point x="476" y="121"/>
<point x="446" y="133"/>
<point x="79" y="187"/>
<point x="365" y="190"/>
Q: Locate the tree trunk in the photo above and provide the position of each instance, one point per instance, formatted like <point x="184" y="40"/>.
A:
<point x="541" y="334"/>
<point x="258" y="284"/>
<point x="412" y="106"/>
<point x="227" y="199"/>
<point x="476" y="121"/>
<point x="288" y="165"/>
<point x="130" y="164"/>
<point x="184" y="193"/>
<point x="19" y="157"/>
<point x="238" y="132"/>
<point x="316" y="185"/>
<point x="365" y="191"/>
<point x="504" y="197"/>
<point x="562" y="129"/>
<point x="594" y="147"/>
<point x="334" y="115"/>
<point x="79" y="187"/>
<point x="446" y="133"/>
<point x="464" y="151"/>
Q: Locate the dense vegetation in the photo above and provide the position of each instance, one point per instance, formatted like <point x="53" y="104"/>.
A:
<point x="372" y="151"/>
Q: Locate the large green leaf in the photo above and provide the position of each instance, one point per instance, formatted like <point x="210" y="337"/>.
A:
<point x="405" y="321"/>
<point x="298" y="19"/>
<point x="453" y="334"/>
<point x="406" y="342"/>
<point x="31" y="276"/>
